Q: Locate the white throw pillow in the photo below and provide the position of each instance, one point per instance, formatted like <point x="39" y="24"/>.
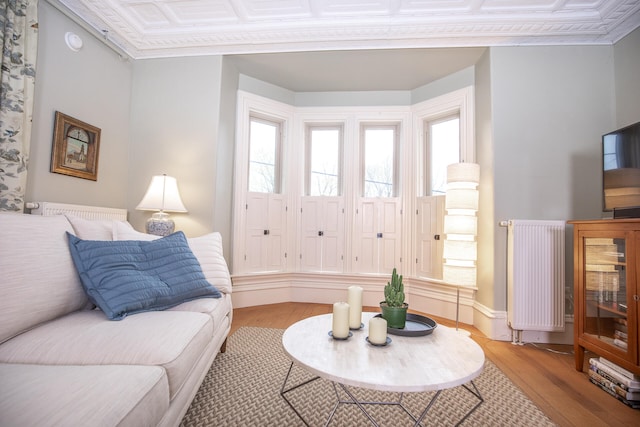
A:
<point x="127" y="232"/>
<point x="207" y="249"/>
<point x="92" y="229"/>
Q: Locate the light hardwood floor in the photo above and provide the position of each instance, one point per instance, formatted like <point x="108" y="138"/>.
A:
<point x="545" y="373"/>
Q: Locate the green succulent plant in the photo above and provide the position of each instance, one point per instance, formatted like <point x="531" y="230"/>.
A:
<point x="394" y="291"/>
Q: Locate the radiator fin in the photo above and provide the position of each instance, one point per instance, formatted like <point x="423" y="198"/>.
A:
<point x="535" y="275"/>
<point x="86" y="212"/>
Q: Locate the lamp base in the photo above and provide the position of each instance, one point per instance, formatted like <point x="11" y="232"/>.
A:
<point x="160" y="224"/>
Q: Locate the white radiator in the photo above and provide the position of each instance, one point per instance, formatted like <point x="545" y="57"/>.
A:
<point x="535" y="275"/>
<point x="86" y="212"/>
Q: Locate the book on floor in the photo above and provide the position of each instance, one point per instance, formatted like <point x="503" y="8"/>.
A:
<point x="630" y="403"/>
<point x="616" y="376"/>
<point x="616" y="388"/>
<point x="620" y="369"/>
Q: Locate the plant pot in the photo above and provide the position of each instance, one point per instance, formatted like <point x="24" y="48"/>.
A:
<point x="395" y="316"/>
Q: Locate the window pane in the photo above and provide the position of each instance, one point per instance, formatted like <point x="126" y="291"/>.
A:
<point x="263" y="145"/>
<point x="324" y="162"/>
<point x="379" y="155"/>
<point x="445" y="150"/>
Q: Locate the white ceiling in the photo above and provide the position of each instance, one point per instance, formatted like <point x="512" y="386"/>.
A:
<point x="311" y="45"/>
<point x="161" y="28"/>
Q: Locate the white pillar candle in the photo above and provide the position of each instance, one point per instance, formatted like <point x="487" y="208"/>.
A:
<point x="377" y="330"/>
<point x="355" y="307"/>
<point x="340" y="320"/>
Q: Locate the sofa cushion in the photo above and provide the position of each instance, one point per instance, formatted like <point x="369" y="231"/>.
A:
<point x="39" y="281"/>
<point x="207" y="248"/>
<point x="126" y="277"/>
<point x="172" y="340"/>
<point x="41" y="395"/>
<point x="219" y="309"/>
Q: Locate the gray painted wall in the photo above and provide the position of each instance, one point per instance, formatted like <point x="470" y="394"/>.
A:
<point x="353" y="99"/>
<point x="549" y="108"/>
<point x="174" y="130"/>
<point x="487" y="274"/>
<point x="223" y="210"/>
<point x="156" y="116"/>
<point x="92" y="85"/>
<point x="627" y="67"/>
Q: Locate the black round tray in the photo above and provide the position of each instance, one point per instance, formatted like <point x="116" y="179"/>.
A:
<point x="415" y="326"/>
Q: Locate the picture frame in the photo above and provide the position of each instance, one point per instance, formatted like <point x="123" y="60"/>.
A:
<point x="76" y="147"/>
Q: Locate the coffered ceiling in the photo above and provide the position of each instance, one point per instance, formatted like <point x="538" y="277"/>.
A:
<point x="165" y="28"/>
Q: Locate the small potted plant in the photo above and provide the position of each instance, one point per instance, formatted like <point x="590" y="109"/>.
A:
<point x="394" y="309"/>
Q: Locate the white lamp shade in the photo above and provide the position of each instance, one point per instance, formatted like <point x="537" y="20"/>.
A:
<point x="461" y="224"/>
<point x="460" y="250"/>
<point x="463" y="175"/>
<point x="460" y="275"/>
<point x="162" y="195"/>
<point x="461" y="199"/>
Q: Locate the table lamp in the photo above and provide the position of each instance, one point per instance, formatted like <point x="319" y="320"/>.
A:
<point x="162" y="196"/>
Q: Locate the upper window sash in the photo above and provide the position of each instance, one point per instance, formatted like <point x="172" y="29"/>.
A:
<point x="265" y="144"/>
<point x="379" y="160"/>
<point x="323" y="160"/>
<point x="442" y="142"/>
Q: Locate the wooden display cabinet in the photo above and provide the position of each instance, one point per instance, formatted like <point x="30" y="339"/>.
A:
<point x="606" y="270"/>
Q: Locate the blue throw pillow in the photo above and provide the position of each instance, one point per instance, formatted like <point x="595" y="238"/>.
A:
<point x="132" y="276"/>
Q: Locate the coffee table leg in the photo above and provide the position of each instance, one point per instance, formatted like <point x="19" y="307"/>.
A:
<point x="335" y="407"/>
<point x="284" y="391"/>
<point x="475" y="392"/>
<point x="354" y="400"/>
<point x="429" y="405"/>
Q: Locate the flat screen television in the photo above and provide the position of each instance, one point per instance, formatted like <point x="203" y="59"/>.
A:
<point x="621" y="169"/>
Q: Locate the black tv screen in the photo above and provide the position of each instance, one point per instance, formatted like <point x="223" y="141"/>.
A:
<point x="621" y="168"/>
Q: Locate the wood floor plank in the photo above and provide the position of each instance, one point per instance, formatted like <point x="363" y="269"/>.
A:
<point x="545" y="373"/>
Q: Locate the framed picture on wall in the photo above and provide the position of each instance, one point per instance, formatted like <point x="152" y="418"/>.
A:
<point x="76" y="146"/>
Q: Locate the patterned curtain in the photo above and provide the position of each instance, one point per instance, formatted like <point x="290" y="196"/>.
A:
<point x="19" y="26"/>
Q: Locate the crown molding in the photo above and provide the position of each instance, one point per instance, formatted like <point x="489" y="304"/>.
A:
<point x="192" y="27"/>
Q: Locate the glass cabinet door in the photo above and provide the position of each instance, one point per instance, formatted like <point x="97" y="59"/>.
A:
<point x="605" y="281"/>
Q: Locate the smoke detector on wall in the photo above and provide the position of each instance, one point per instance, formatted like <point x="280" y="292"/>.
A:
<point x="74" y="42"/>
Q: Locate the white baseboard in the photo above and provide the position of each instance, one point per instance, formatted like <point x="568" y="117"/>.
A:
<point x="253" y="290"/>
<point x="494" y="325"/>
<point x="425" y="296"/>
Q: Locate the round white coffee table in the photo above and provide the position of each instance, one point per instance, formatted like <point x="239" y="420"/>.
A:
<point x="438" y="361"/>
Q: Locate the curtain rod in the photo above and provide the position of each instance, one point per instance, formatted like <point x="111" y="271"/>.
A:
<point x="91" y="30"/>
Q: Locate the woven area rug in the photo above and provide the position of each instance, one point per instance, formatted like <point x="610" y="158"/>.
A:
<point x="243" y="389"/>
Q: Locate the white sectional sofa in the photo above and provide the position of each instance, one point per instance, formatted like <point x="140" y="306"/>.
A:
<point x="63" y="362"/>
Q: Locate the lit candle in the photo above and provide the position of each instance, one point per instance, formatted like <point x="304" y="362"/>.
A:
<point x="340" y="320"/>
<point x="377" y="330"/>
<point x="355" y="307"/>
